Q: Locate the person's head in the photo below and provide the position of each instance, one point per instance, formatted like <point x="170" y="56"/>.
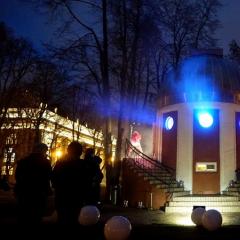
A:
<point x="90" y="152"/>
<point x="136" y="136"/>
<point x="40" y="148"/>
<point x="98" y="159"/>
<point x="75" y="149"/>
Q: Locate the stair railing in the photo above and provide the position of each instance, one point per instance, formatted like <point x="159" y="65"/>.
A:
<point x="148" y="165"/>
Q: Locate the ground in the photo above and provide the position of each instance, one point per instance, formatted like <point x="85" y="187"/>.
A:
<point x="146" y="224"/>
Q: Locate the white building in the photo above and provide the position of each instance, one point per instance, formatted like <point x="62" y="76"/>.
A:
<point x="19" y="130"/>
<point x="197" y="130"/>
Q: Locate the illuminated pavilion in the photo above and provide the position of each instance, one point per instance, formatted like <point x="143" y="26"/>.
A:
<point x="198" y="121"/>
<point x="196" y="139"/>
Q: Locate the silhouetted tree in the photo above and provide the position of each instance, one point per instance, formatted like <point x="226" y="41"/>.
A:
<point x="234" y="51"/>
<point x="16" y="63"/>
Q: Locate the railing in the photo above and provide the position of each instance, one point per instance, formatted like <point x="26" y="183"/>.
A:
<point x="148" y="165"/>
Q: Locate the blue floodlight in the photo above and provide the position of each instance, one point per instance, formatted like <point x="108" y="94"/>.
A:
<point x="169" y="123"/>
<point x="205" y="119"/>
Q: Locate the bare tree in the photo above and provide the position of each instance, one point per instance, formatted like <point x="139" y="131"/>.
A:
<point x="186" y="24"/>
<point x="123" y="53"/>
<point x="16" y="61"/>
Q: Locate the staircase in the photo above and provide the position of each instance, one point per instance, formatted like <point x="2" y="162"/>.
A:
<point x="233" y="189"/>
<point x="228" y="201"/>
<point x="177" y="200"/>
<point x="157" y="176"/>
<point x="222" y="203"/>
<point x="144" y="177"/>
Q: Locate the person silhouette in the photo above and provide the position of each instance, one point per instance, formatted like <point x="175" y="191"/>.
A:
<point x="68" y="181"/>
<point x="94" y="177"/>
<point x="33" y="176"/>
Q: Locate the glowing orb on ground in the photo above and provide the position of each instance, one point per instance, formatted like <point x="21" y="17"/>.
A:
<point x="197" y="214"/>
<point x="117" y="228"/>
<point x="205" y="119"/>
<point x="212" y="220"/>
<point x="89" y="215"/>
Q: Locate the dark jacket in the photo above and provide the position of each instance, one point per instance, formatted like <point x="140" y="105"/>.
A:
<point x="33" y="175"/>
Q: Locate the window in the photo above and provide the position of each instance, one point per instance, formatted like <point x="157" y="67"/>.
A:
<point x="205" y="119"/>
<point x="169" y="123"/>
<point x="4" y="170"/>
<point x="9" y="155"/>
<point x="11" y="139"/>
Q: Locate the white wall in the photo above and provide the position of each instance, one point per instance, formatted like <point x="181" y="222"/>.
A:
<point x="185" y="140"/>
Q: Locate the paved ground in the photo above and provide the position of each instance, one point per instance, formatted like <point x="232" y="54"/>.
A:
<point x="146" y="224"/>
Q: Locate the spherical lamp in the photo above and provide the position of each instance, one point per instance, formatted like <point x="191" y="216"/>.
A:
<point x="197" y="214"/>
<point x="89" y="215"/>
<point x="212" y="220"/>
<point x="117" y="228"/>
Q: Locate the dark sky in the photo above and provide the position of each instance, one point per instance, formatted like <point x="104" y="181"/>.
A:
<point x="25" y="22"/>
<point x="229" y="16"/>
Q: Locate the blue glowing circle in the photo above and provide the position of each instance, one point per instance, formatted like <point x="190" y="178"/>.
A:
<point x="169" y="123"/>
<point x="205" y="119"/>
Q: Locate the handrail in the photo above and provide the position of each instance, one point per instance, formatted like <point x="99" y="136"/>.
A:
<point x="152" y="161"/>
<point x="144" y="162"/>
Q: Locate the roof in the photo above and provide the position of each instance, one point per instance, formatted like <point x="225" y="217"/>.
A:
<point x="205" y="74"/>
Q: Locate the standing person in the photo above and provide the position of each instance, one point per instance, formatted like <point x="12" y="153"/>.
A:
<point x="94" y="177"/>
<point x="69" y="184"/>
<point x="33" y="175"/>
<point x="136" y="140"/>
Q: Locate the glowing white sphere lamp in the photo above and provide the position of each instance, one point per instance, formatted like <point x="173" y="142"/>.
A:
<point x="89" y="215"/>
<point x="212" y="220"/>
<point x="197" y="214"/>
<point x="205" y="119"/>
<point x="169" y="123"/>
<point x="117" y="228"/>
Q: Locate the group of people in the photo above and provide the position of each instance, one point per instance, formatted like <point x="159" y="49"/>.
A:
<point x="74" y="181"/>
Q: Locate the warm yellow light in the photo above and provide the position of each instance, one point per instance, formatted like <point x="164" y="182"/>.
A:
<point x="58" y="153"/>
<point x="201" y="167"/>
<point x="183" y="220"/>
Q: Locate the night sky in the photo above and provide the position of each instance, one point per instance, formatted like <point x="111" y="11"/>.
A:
<point x="27" y="23"/>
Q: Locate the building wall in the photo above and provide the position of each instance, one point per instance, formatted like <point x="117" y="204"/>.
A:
<point x="227" y="140"/>
<point x="56" y="132"/>
<point x="227" y="143"/>
<point x="237" y="128"/>
<point x="135" y="189"/>
<point x="22" y="146"/>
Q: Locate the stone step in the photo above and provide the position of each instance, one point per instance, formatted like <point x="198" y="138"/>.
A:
<point x="188" y="209"/>
<point x="234" y="189"/>
<point x="235" y="185"/>
<point x="151" y="175"/>
<point x="179" y="194"/>
<point x="231" y="193"/>
<point x="166" y="181"/>
<point x="171" y="189"/>
<point x="155" y="170"/>
<point x="205" y="203"/>
<point x="204" y="198"/>
<point x="157" y="177"/>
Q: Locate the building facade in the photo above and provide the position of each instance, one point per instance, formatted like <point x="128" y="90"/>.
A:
<point x="197" y="131"/>
<point x="21" y="126"/>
